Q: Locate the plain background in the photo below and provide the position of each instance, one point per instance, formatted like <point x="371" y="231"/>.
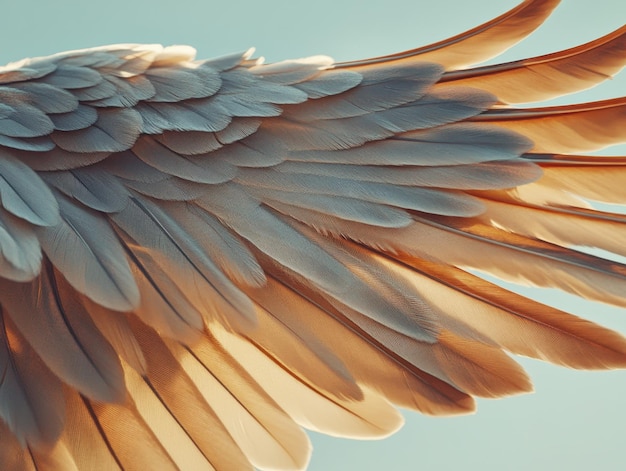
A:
<point x="576" y="420"/>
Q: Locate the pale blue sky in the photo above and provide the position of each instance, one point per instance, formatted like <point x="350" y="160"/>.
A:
<point x="575" y="420"/>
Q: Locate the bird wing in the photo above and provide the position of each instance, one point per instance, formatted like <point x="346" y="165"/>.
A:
<point x="200" y="258"/>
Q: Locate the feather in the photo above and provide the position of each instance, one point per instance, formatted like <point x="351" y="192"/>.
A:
<point x="298" y="254"/>
<point x="128" y="166"/>
<point x="293" y="71"/>
<point x="166" y="307"/>
<point x="25" y="120"/>
<point x="20" y="252"/>
<point x="47" y="98"/>
<point x="170" y="189"/>
<point x="370" y="417"/>
<point x="263" y="91"/>
<point x="179" y="395"/>
<point x="135" y="444"/>
<point x="13" y="456"/>
<point x="116" y="330"/>
<point x="379" y="90"/>
<point x="54" y="459"/>
<point x="80" y="118"/>
<point x="91" y="443"/>
<point x="447" y="145"/>
<point x="549" y="76"/>
<point x="229" y="61"/>
<point x="350" y="209"/>
<point x="541" y="264"/>
<point x="114" y="131"/>
<point x="159" y="117"/>
<point x="102" y="91"/>
<point x="128" y="92"/>
<point x="23" y="194"/>
<point x="238" y="129"/>
<point x="389" y="304"/>
<point x="95" y="189"/>
<point x="57" y="159"/>
<point x="190" y="143"/>
<point x="103" y="273"/>
<point x="358" y="353"/>
<point x="480" y="176"/>
<point x="167" y="244"/>
<point x="594" y="178"/>
<point x="160" y="157"/>
<point x="26" y="69"/>
<point x="476" y="45"/>
<point x="174" y="85"/>
<point x="173" y="55"/>
<point x="298" y="191"/>
<point x="70" y="77"/>
<point x="573" y="128"/>
<point x="267" y="435"/>
<point x="63" y="335"/>
<point x="217" y="242"/>
<point x="562" y="227"/>
<point x="303" y="356"/>
<point x="33" y="144"/>
<point x="329" y="83"/>
<point x="31" y="399"/>
<point x="497" y="315"/>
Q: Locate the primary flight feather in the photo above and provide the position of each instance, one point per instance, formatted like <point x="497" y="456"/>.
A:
<point x="200" y="258"/>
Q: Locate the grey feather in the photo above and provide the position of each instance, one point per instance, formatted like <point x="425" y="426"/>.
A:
<point x="170" y="189"/>
<point x="114" y="131"/>
<point x="378" y="90"/>
<point x="244" y="84"/>
<point x="190" y="143"/>
<point x="24" y="194"/>
<point x="94" y="188"/>
<point x="194" y="169"/>
<point x="331" y="82"/>
<point x="256" y="151"/>
<point x="175" y="251"/>
<point x="25" y="121"/>
<point x="129" y="92"/>
<point x="480" y="176"/>
<point x="88" y="253"/>
<point x="322" y="190"/>
<point x="227" y="250"/>
<point x="58" y="159"/>
<point x="351" y="209"/>
<point x="128" y="166"/>
<point x="48" y="98"/>
<point x="201" y="115"/>
<point x="80" y="118"/>
<point x="243" y="106"/>
<point x="35" y="144"/>
<point x="238" y="129"/>
<point x="20" y="253"/>
<point x="454" y="144"/>
<point x="101" y="91"/>
<point x="274" y="237"/>
<point x="175" y="85"/>
<point x="70" y="77"/>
